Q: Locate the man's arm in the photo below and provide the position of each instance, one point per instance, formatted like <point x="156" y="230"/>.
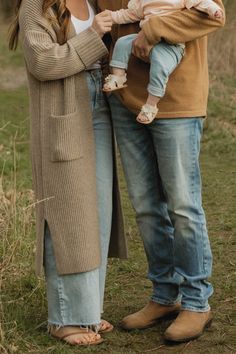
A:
<point x="182" y="26"/>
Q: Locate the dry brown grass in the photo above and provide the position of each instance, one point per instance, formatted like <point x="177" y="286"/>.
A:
<point x="222" y="44"/>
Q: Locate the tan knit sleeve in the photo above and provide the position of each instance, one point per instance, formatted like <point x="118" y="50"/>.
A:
<point x="47" y="60"/>
<point x="181" y="26"/>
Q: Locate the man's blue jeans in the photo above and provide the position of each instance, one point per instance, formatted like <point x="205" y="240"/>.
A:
<point x="77" y="299"/>
<point x="161" y="165"/>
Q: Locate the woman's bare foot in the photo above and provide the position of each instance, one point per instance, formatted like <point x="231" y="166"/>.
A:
<point x="75" y="335"/>
<point x="105" y="327"/>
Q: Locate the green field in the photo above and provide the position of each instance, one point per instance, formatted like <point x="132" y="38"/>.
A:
<point x="23" y="311"/>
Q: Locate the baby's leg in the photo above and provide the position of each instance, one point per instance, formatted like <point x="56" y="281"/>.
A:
<point x="163" y="58"/>
<point x="121" y="53"/>
<point x="119" y="63"/>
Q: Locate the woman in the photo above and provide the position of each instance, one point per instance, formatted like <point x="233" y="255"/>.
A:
<point x="72" y="161"/>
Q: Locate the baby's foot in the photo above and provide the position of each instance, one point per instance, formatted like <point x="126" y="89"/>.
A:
<point x="114" y="82"/>
<point x="147" y="114"/>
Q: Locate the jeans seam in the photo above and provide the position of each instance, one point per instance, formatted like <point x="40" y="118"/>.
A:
<point x="195" y="166"/>
<point x="61" y="301"/>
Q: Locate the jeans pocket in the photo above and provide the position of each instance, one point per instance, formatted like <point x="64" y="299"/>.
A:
<point x="65" y="137"/>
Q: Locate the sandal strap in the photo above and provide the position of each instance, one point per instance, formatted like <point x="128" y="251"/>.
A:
<point x="70" y="334"/>
<point x="149" y="111"/>
<point x="53" y="332"/>
<point x="115" y="80"/>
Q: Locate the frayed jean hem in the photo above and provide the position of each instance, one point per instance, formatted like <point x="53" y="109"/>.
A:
<point x="60" y="325"/>
<point x="194" y="309"/>
<point x="165" y="302"/>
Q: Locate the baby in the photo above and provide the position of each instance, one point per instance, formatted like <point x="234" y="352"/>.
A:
<point x="163" y="57"/>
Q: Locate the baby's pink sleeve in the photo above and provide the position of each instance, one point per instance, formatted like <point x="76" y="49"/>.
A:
<point x="134" y="13"/>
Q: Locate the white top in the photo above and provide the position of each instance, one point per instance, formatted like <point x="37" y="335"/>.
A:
<point x="82" y="25"/>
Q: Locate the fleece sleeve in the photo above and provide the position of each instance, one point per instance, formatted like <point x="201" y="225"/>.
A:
<point x="132" y="14"/>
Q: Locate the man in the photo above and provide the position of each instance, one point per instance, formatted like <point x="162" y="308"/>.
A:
<point x="161" y="164"/>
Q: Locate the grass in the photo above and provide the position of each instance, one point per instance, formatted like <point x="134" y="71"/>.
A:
<point x="23" y="311"/>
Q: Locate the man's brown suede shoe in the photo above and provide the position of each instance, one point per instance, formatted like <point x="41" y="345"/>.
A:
<point x="187" y="326"/>
<point x="149" y="315"/>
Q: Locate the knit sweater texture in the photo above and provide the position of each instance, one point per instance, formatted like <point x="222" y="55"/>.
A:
<point x="187" y="89"/>
<point x="62" y="142"/>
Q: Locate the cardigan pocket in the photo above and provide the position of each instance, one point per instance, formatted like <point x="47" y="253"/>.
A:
<point x="65" y="137"/>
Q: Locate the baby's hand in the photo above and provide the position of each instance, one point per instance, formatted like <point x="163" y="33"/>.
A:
<point x="218" y="14"/>
<point x="110" y="13"/>
<point x="102" y="22"/>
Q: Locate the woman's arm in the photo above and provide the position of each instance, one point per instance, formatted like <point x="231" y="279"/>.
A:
<point x="47" y="60"/>
<point x="182" y="26"/>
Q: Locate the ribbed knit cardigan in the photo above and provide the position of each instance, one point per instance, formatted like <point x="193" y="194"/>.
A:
<point x="62" y="143"/>
<point x="187" y="90"/>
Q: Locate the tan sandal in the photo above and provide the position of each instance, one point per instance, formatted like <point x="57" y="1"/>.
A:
<point x="105" y="327"/>
<point x="70" y="335"/>
<point x="114" y="82"/>
<point x="147" y="114"/>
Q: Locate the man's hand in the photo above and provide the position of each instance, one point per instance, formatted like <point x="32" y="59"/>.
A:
<point x="141" y="47"/>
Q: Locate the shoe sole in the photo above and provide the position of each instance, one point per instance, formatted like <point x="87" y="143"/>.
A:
<point x="169" y="316"/>
<point x="188" y="339"/>
<point x="64" y="339"/>
<point x="99" y="341"/>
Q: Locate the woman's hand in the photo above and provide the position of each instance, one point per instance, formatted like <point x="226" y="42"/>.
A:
<point x="102" y="22"/>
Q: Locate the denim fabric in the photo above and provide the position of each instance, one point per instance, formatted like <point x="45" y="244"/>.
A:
<point x="161" y="165"/>
<point x="77" y="299"/>
<point x="164" y="58"/>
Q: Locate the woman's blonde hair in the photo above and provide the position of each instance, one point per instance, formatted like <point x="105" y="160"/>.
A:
<point x="62" y="16"/>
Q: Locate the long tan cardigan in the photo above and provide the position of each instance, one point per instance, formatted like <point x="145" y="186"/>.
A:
<point x="62" y="143"/>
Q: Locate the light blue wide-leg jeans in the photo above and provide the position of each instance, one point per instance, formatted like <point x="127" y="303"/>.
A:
<point x="77" y="299"/>
<point x="164" y="58"/>
<point x="161" y="165"/>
